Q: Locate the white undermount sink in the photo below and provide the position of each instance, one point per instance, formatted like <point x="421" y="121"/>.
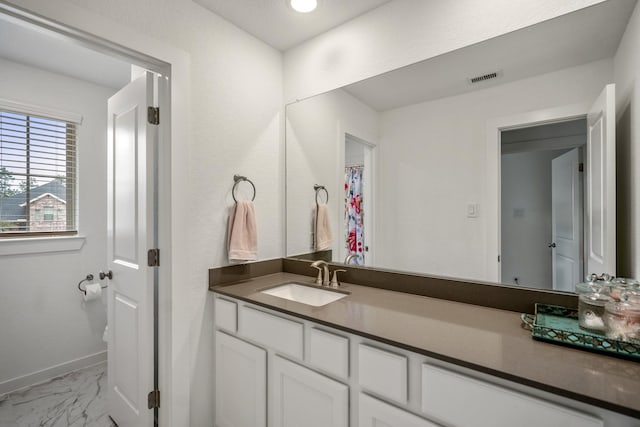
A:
<point x="305" y="294"/>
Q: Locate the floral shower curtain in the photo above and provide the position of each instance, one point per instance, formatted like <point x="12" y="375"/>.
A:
<point x="353" y="216"/>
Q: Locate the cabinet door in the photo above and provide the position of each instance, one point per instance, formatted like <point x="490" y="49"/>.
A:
<point x="468" y="402"/>
<point x="302" y="397"/>
<point x="241" y="383"/>
<point x="375" y="413"/>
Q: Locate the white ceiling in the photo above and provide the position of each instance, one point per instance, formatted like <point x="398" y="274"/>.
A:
<point x="43" y="49"/>
<point x="577" y="38"/>
<point x="270" y="20"/>
<point x="275" y="23"/>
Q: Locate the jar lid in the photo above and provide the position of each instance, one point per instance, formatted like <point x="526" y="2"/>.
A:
<point x="599" y="299"/>
<point x="621" y="288"/>
<point x="590" y="288"/>
<point x="625" y="281"/>
<point x="623" y="307"/>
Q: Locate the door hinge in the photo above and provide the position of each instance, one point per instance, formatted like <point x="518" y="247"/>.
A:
<point x="153" y="115"/>
<point x="153" y="399"/>
<point x="581" y="167"/>
<point x="153" y="257"/>
<point x="498" y="258"/>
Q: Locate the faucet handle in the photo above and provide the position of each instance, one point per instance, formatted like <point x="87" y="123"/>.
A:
<point x="334" y="280"/>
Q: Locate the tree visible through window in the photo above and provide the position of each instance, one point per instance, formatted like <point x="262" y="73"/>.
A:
<point x="37" y="175"/>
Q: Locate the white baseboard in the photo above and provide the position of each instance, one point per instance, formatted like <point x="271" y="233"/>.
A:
<point x="54" y="371"/>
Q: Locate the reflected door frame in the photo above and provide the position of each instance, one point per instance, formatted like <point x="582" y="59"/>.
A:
<point x="369" y="192"/>
<point x="493" y="190"/>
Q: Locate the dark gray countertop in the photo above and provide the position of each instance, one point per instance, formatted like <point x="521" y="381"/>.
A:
<point x="481" y="338"/>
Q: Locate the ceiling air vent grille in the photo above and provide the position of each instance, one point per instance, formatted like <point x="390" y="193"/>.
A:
<point x="485" y="77"/>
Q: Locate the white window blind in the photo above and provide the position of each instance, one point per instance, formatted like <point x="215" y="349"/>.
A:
<point x="37" y="175"/>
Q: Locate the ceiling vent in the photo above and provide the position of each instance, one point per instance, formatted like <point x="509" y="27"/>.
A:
<point x="485" y="77"/>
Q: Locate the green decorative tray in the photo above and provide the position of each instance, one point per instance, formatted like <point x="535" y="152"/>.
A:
<point x="559" y="325"/>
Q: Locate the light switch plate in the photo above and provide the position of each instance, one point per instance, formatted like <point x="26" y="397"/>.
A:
<point x="472" y="210"/>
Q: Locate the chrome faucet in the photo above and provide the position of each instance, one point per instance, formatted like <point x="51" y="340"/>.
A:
<point x="323" y="272"/>
<point x="349" y="257"/>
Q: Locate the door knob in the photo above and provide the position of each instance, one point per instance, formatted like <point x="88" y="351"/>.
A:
<point x="108" y="275"/>
<point x="552" y="245"/>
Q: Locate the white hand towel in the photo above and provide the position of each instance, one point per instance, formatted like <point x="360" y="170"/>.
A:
<point x="243" y="236"/>
<point x="324" y="239"/>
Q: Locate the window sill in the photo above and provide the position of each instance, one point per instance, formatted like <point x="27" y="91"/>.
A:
<point x="40" y="245"/>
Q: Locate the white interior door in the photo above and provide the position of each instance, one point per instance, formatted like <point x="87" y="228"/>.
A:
<point x="565" y="220"/>
<point x="129" y="235"/>
<point x="601" y="185"/>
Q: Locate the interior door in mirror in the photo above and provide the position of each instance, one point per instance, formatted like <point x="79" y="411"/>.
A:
<point x="601" y="184"/>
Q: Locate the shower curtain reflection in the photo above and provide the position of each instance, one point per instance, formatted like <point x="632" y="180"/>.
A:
<point x="354" y="214"/>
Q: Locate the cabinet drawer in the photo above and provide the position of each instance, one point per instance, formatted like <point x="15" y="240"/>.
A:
<point x="490" y="405"/>
<point x="226" y="316"/>
<point x="283" y="335"/>
<point x="374" y="413"/>
<point x="383" y="372"/>
<point x="329" y="352"/>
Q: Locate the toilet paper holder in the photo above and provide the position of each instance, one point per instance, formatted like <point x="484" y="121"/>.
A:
<point x="88" y="278"/>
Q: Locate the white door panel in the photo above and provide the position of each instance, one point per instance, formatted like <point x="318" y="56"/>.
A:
<point x="601" y="185"/>
<point x="566" y="210"/>
<point x="125" y="209"/>
<point x="130" y="225"/>
<point x="125" y="348"/>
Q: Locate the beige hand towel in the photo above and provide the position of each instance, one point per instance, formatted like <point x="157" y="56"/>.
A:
<point x="324" y="239"/>
<point x="243" y="236"/>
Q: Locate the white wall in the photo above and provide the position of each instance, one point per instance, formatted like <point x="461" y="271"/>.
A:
<point x="400" y="33"/>
<point x="233" y="97"/>
<point x="316" y="131"/>
<point x="44" y="321"/>
<point x="432" y="164"/>
<point x="354" y="153"/>
<point x="526" y="218"/>
<point x="627" y="79"/>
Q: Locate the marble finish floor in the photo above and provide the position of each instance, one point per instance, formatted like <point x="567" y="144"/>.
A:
<point x="75" y="399"/>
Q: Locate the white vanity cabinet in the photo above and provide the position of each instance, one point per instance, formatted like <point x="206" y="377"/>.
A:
<point x="279" y="370"/>
<point x="302" y="397"/>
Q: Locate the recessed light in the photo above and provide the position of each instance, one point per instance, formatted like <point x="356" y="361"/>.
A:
<point x="303" y="6"/>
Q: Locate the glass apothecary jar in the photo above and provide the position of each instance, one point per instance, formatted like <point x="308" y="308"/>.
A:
<point x="592" y="297"/>
<point x="622" y="318"/>
<point x="621" y="286"/>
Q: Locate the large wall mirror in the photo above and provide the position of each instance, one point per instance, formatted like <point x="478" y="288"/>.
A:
<point x="490" y="163"/>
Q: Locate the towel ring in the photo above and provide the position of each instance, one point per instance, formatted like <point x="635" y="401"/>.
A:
<point x="236" y="181"/>
<point x="318" y="188"/>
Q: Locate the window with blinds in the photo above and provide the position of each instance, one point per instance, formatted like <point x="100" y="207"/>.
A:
<point x="37" y="175"/>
